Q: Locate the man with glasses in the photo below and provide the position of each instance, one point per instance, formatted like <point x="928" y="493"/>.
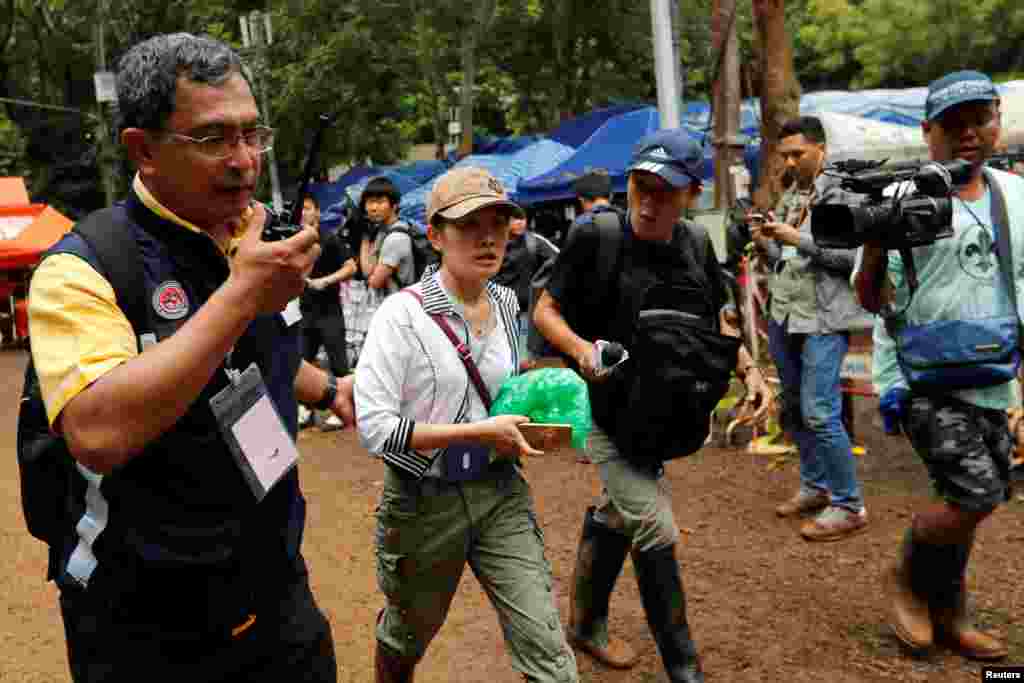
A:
<point x="962" y="436"/>
<point x="181" y="556"/>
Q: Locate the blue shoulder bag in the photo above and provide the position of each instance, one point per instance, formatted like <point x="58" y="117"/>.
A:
<point x="947" y="355"/>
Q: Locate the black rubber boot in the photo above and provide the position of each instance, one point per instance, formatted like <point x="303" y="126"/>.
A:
<point x="599" y="560"/>
<point x="392" y="667"/>
<point x="661" y="591"/>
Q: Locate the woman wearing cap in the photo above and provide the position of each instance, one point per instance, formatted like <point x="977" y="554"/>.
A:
<point x="452" y="492"/>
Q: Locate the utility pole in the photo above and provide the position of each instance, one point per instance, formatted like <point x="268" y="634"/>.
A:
<point x="257" y="36"/>
<point x="106" y="152"/>
<point x="666" y="69"/>
<point x="726" y="100"/>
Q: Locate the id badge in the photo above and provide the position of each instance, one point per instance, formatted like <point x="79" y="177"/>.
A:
<point x="292" y="313"/>
<point x="254" y="431"/>
<point x="465" y="461"/>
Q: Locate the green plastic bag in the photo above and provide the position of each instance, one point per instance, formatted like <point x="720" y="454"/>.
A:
<point x="554" y="395"/>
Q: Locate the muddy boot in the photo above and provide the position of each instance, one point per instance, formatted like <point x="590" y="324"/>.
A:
<point x="907" y="586"/>
<point x="393" y="667"/>
<point x="661" y="591"/>
<point x="599" y="561"/>
<point x="953" y="625"/>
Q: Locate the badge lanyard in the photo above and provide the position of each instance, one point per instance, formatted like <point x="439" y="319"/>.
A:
<point x="253" y="429"/>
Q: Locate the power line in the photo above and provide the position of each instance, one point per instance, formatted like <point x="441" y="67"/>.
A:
<point x="41" y="105"/>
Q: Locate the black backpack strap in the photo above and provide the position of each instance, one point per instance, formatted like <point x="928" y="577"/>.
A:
<point x="609" y="246"/>
<point x="109" y="234"/>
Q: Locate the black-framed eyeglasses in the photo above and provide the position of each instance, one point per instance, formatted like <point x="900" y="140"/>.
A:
<point x="259" y="140"/>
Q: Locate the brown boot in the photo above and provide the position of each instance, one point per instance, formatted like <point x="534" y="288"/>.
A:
<point x="909" y="616"/>
<point x="599" y="561"/>
<point x="392" y="667"/>
<point x="953" y="625"/>
<point x="955" y="629"/>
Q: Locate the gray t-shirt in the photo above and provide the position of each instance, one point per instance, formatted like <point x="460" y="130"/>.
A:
<point x="395" y="249"/>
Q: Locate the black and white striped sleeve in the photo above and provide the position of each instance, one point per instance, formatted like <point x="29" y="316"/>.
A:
<point x="380" y="377"/>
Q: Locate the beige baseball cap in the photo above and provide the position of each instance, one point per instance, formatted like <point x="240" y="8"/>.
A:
<point x="461" y="191"/>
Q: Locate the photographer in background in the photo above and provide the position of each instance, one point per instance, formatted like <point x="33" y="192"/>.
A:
<point x="811" y="312"/>
<point x="962" y="436"/>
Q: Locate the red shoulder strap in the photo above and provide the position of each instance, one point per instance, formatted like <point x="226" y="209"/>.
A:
<point x="461" y="349"/>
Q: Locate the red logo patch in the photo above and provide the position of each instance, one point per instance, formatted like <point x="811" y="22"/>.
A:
<point x="170" y="300"/>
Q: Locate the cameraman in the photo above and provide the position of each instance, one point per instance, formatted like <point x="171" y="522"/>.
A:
<point x="961" y="436"/>
<point x="812" y="310"/>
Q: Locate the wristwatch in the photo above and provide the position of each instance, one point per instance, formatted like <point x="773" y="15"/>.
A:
<point x="330" y="393"/>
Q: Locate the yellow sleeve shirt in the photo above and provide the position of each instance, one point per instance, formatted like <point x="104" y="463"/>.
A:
<point x="78" y="332"/>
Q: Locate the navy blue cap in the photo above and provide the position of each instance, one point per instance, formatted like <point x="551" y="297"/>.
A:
<point x="671" y="154"/>
<point x="957" y="88"/>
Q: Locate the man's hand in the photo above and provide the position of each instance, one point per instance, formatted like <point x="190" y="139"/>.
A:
<point x="586" y="359"/>
<point x="272" y="273"/>
<point x="759" y="394"/>
<point x="781" y="232"/>
<point x="344" y="403"/>
<point x="317" y="283"/>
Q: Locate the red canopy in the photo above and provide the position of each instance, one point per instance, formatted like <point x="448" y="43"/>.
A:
<point x="26" y="230"/>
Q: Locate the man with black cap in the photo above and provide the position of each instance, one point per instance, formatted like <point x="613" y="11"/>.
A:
<point x="635" y="510"/>
<point x="594" y="193"/>
<point x="961" y="435"/>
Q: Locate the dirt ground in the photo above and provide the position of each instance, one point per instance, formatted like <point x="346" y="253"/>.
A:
<point x="764" y="604"/>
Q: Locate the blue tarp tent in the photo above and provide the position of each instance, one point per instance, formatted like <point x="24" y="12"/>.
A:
<point x="406" y="178"/>
<point x="609" y="148"/>
<point x="576" y="131"/>
<point x="510" y="169"/>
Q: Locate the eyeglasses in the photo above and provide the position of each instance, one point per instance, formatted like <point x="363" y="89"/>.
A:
<point x="259" y="140"/>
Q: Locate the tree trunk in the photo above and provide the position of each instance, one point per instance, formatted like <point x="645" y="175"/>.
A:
<point x="780" y="94"/>
<point x="726" y="94"/>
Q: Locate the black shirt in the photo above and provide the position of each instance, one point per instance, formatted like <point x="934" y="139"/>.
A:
<point x="605" y="311"/>
<point x="521" y="262"/>
<point x="335" y="251"/>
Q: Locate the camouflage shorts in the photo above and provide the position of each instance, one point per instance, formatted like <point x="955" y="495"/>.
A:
<point x="967" y="449"/>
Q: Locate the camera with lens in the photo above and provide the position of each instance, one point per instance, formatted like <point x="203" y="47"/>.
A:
<point x="916" y="212"/>
<point x="278" y="228"/>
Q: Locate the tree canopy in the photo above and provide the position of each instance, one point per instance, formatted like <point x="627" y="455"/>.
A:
<point x="391" y="70"/>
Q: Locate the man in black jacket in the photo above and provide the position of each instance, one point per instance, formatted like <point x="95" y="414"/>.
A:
<point x="182" y="558"/>
<point x="635" y="510"/>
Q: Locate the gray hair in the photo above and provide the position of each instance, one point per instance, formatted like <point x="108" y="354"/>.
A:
<point x="147" y="75"/>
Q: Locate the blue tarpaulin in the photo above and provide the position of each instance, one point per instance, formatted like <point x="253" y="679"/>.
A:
<point x="610" y="149"/>
<point x="510" y="169"/>
<point x="576" y="131"/>
<point x="406" y="178"/>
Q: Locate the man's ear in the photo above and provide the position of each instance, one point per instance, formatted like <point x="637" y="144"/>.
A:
<point x="140" y="148"/>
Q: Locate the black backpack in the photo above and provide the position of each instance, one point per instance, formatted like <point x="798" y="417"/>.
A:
<point x="423" y="253"/>
<point x="45" y="465"/>
<point x="657" y="405"/>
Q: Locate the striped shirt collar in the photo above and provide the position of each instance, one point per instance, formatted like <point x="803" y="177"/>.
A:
<point x="436" y="298"/>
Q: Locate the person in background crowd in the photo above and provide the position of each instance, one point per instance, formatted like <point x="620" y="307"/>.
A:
<point x="594" y="194"/>
<point x="453" y="492"/>
<point x="811" y="312"/>
<point x="323" y="323"/>
<point x="172" y="565"/>
<point x="962" y="436"/>
<point x="525" y="254"/>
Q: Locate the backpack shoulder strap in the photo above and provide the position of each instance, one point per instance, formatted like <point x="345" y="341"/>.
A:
<point x="109" y="234"/>
<point x="609" y="244"/>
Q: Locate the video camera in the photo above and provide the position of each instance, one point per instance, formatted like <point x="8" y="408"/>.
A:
<point x="918" y="213"/>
